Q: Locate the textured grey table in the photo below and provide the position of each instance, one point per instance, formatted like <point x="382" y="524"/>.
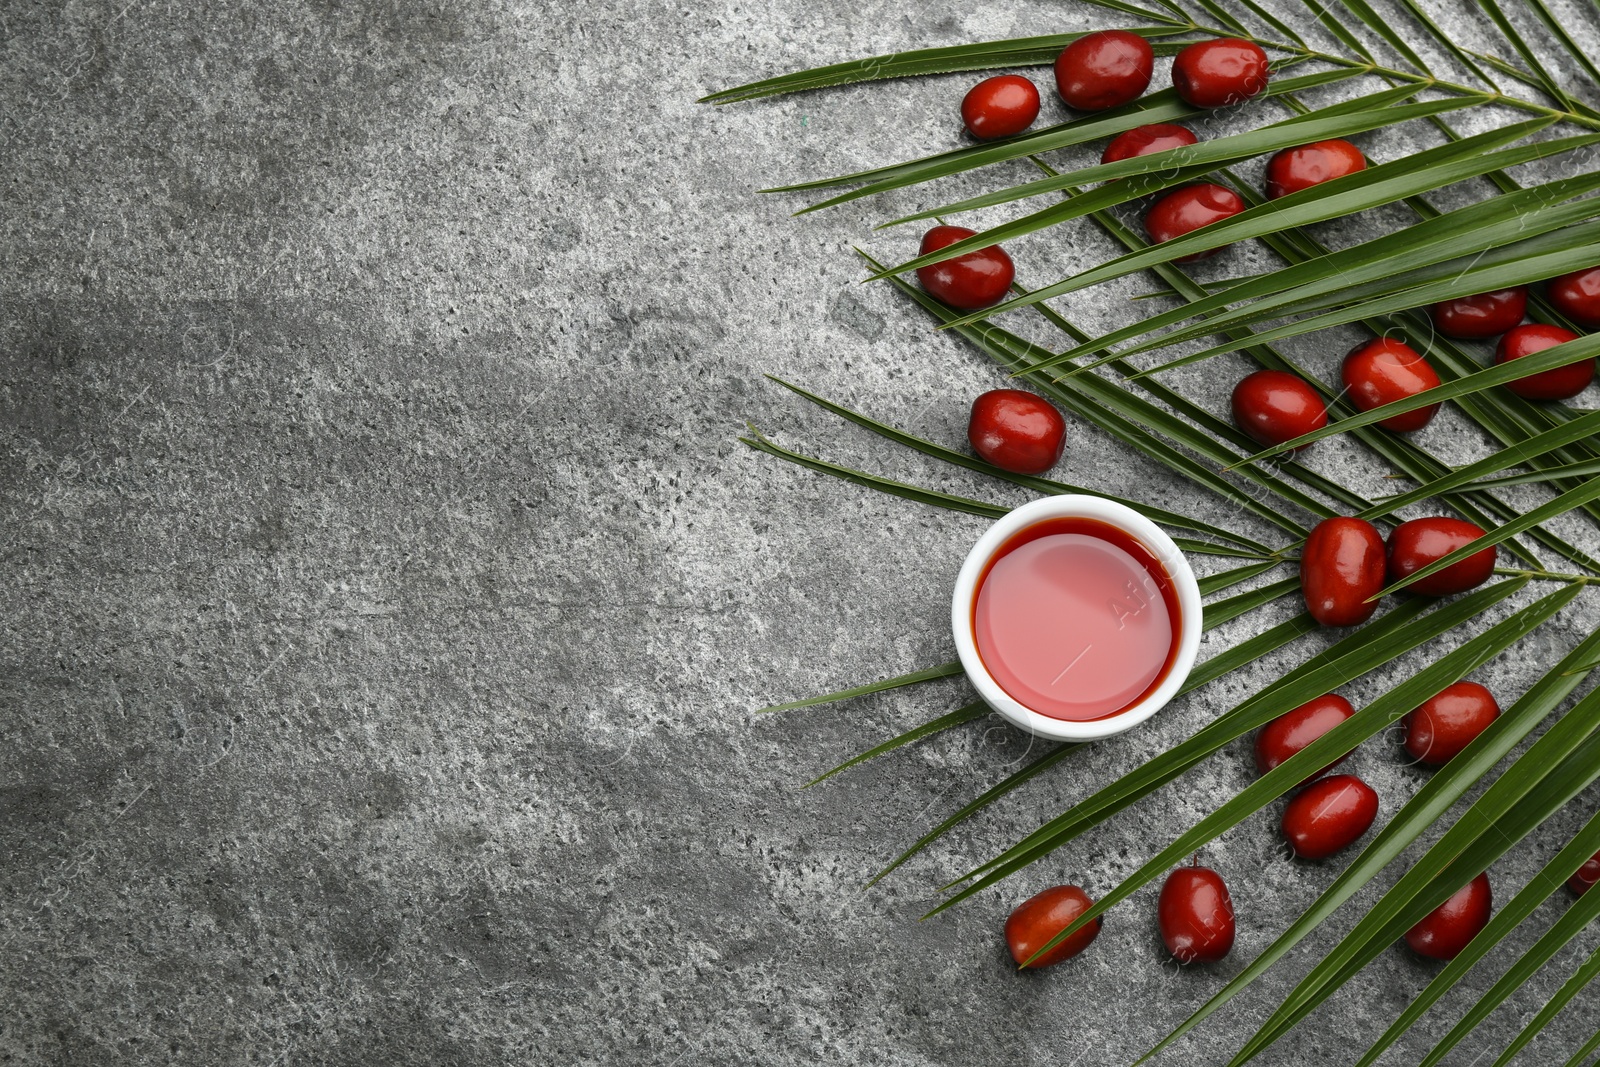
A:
<point x="387" y="595"/>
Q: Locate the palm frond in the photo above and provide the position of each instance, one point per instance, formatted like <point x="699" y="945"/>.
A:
<point x="1370" y="720"/>
<point x="1376" y="644"/>
<point x="975" y="710"/>
<point x="927" y="674"/>
<point x="1217" y="666"/>
<point x="1402" y="455"/>
<point x="1163" y="106"/>
<point x="1041" y="485"/>
<point x="1522" y="798"/>
<point x="1551" y="879"/>
<point x="1428" y="805"/>
<point x="1311" y="284"/>
<point x="1516" y="236"/>
<point x="1370" y="188"/>
<point x="1022" y="52"/>
<point x="1523" y="263"/>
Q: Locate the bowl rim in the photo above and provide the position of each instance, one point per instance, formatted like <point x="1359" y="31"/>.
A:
<point x="1129" y="521"/>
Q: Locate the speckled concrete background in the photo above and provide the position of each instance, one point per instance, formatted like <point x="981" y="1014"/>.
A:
<point x="387" y="596"/>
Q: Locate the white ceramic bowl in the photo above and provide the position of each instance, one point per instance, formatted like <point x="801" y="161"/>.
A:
<point x="1130" y="522"/>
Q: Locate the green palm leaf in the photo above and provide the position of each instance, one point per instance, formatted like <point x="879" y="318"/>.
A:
<point x="1378" y="643"/>
<point x="1041" y="485"/>
<point x="1443" y="789"/>
<point x="1403" y="455"/>
<point x="1157" y="107"/>
<point x="1520" y="264"/>
<point x="1524" y="796"/>
<point x="1374" y="187"/>
<point x="1559" y="356"/>
<point x="1022" y="52"/>
<point x="1370" y="720"/>
<point x="1510" y="422"/>
<point x="1549" y="880"/>
<point x="1562" y="504"/>
<point x="927" y="674"/>
<point x="1465" y="232"/>
<point x="1519" y="235"/>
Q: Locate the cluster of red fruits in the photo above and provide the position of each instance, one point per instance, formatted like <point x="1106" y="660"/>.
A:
<point x="1345" y="562"/>
<point x="1110" y="68"/>
<point x="1194" y="913"/>
<point x="1330" y="813"/>
<point x="1274" y="406"/>
<point x="1114" y="67"/>
<point x="1105" y="70"/>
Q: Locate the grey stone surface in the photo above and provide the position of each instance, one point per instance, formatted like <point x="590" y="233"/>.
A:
<point x="387" y="595"/>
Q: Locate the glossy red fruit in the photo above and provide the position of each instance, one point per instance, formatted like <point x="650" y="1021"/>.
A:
<point x="1294" y="730"/>
<point x="1043" y="916"/>
<point x="1294" y="169"/>
<point x="968" y="282"/>
<point x="1448" y="721"/>
<point x="1415" y="544"/>
<point x="1484" y="315"/>
<point x="1446" y="930"/>
<point x="1384" y="370"/>
<point x="1104" y="69"/>
<point x="1341" y="566"/>
<point x="1188" y="209"/>
<point x="1274" y="406"/>
<point x="1586" y="876"/>
<point x="1575" y="295"/>
<point x="1000" y="107"/>
<point x="1143" y="140"/>
<point x="1559" y="383"/>
<point x="1219" y="72"/>
<point x="1016" y="431"/>
<point x="1195" y="914"/>
<point x="1328" y="815"/>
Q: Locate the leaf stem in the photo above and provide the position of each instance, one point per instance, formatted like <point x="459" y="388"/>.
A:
<point x="1425" y="81"/>
<point x="1548" y="576"/>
